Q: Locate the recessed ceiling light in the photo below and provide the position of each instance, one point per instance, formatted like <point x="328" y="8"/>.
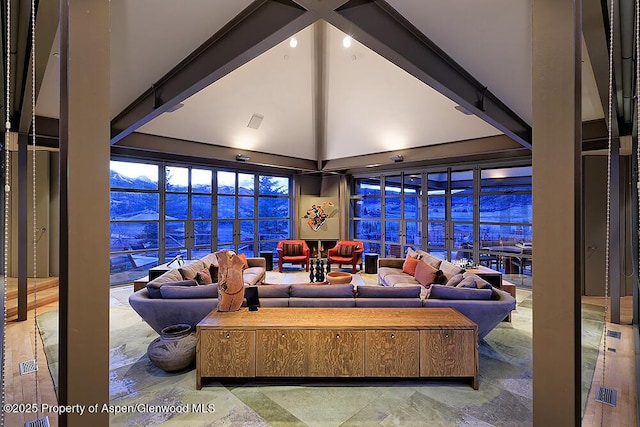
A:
<point x="346" y="42"/>
<point x="255" y="121"/>
<point x="293" y="42"/>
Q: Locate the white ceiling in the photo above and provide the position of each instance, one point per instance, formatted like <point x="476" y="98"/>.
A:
<point x="370" y="105"/>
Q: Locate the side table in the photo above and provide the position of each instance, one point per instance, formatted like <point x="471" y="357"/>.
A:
<point x="140" y="283"/>
<point x="371" y="263"/>
<point x="268" y="256"/>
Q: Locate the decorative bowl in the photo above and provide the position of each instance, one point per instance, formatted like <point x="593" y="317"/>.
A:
<point x="338" y="278"/>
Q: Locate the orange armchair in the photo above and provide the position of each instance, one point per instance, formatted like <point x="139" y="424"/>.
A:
<point x="294" y="252"/>
<point x="346" y="252"/>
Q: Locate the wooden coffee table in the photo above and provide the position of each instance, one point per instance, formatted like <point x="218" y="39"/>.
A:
<point x="337" y="342"/>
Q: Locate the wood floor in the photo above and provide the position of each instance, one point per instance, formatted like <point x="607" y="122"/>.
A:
<point x="620" y="373"/>
<point x="22" y="388"/>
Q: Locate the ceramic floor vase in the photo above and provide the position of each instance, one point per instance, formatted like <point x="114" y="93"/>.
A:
<point x="174" y="349"/>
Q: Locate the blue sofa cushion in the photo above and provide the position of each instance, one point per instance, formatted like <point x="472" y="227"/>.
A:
<point x="154" y="290"/>
<point x="389" y="292"/>
<point x="322" y="291"/>
<point x="188" y="292"/>
<point x="448" y="292"/>
<point x="266" y="290"/>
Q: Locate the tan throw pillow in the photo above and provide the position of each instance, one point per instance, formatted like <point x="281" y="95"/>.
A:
<point x="425" y="274"/>
<point x="410" y="265"/>
<point x="189" y="271"/>
<point x="455" y="279"/>
<point x="449" y="269"/>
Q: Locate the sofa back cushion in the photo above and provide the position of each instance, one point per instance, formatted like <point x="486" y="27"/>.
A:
<point x="210" y="259"/>
<point x="267" y="290"/>
<point x="154" y="289"/>
<point x="449" y="269"/>
<point x="188" y="292"/>
<point x="189" y="271"/>
<point x="428" y="258"/>
<point x="168" y="276"/>
<point x="321" y="291"/>
<point x="365" y="291"/>
<point x="449" y="292"/>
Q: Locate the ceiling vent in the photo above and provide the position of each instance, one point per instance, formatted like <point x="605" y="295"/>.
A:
<point x="255" y="121"/>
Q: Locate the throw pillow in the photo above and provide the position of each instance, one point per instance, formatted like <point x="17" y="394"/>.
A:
<point x="440" y="279"/>
<point x="346" y="250"/>
<point x="425" y="273"/>
<point x="467" y="282"/>
<point x="213" y="271"/>
<point x="410" y="265"/>
<point x="243" y="258"/>
<point x="455" y="279"/>
<point x="292" y="249"/>
<point x="203" y="277"/>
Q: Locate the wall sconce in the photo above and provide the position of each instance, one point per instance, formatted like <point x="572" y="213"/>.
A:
<point x="242" y="157"/>
<point x="397" y="158"/>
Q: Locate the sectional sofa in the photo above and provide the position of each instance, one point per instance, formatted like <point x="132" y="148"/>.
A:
<point x="486" y="307"/>
<point x="176" y="297"/>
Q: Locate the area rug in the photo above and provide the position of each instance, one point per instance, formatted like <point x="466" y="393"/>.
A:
<point x="504" y="397"/>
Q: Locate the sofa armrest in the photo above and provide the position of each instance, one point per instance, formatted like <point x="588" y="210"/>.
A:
<point x="257" y="262"/>
<point x="390" y="262"/>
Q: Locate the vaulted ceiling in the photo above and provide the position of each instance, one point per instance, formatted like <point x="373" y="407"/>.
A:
<point x="193" y="74"/>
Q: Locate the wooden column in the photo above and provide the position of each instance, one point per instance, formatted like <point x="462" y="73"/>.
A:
<point x="84" y="208"/>
<point x="556" y="27"/>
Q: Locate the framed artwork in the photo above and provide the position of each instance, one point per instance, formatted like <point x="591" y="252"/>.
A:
<point x="319" y="218"/>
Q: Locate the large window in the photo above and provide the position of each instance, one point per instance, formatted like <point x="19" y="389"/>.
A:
<point x="479" y="213"/>
<point x="159" y="211"/>
<point x="134" y="212"/>
<point x="387" y="221"/>
<point x="254" y="211"/>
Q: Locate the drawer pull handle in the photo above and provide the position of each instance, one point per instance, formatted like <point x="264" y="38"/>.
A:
<point x="282" y="335"/>
<point x="393" y="336"/>
<point x="446" y="335"/>
<point x="337" y="335"/>
<point x="228" y="335"/>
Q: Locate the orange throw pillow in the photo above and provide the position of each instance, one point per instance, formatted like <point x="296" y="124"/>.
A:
<point x="410" y="265"/>
<point x="243" y="258"/>
<point x="425" y="274"/>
